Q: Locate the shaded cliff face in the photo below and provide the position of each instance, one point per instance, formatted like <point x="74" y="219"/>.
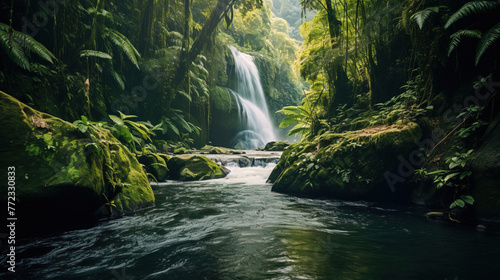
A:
<point x="63" y="176"/>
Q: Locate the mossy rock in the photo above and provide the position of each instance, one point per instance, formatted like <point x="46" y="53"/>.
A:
<point x="349" y="165"/>
<point x="162" y="146"/>
<point x="155" y="164"/>
<point x="63" y="177"/>
<point x="276" y="146"/>
<point x="195" y="168"/>
<point x="221" y="150"/>
<point x="181" y="151"/>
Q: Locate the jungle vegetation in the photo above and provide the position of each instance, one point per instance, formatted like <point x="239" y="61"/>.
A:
<point x="361" y="64"/>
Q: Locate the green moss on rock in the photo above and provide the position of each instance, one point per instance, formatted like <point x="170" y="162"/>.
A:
<point x="62" y="172"/>
<point x="349" y="165"/>
<point x="195" y="168"/>
<point x="156" y="164"/>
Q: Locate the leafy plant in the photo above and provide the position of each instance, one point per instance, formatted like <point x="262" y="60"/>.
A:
<point x="91" y="129"/>
<point x="454" y="177"/>
<point x="421" y="16"/>
<point x="174" y="123"/>
<point x="19" y="46"/>
<point x="130" y="132"/>
<point x="487" y="38"/>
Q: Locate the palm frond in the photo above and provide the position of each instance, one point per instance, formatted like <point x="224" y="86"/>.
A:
<point x="487" y="40"/>
<point x="471" y="8"/>
<point x="457" y="37"/>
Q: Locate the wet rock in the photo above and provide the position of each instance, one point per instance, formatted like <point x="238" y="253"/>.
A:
<point x="155" y="164"/>
<point x="348" y="165"/>
<point x="65" y="177"/>
<point x="276" y="146"/>
<point x="195" y="168"/>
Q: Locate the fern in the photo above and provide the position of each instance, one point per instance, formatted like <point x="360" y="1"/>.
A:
<point x="471" y="8"/>
<point x="421" y="16"/>
<point x="118" y="79"/>
<point x="457" y="37"/>
<point x="18" y="45"/>
<point x="92" y="53"/>
<point x="125" y="46"/>
<point x="487" y="40"/>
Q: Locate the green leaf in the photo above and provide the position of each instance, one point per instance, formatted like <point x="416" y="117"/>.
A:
<point x="465" y="174"/>
<point x="125" y="45"/>
<point x="456" y="39"/>
<point x="454" y="164"/>
<point x="487" y="40"/>
<point x="142" y="129"/>
<point x="450" y="176"/>
<point x="468" y="199"/>
<point x="83" y="128"/>
<point x="118" y="79"/>
<point x="92" y="53"/>
<point x="116" y="120"/>
<point x="124" y="117"/>
<point x="125" y="133"/>
<point x="421" y="16"/>
<point x="470" y="8"/>
<point x="458" y="202"/>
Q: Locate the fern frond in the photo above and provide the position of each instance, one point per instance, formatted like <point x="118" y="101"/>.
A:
<point x="457" y="37"/>
<point x="118" y="79"/>
<point x="34" y="46"/>
<point x="17" y="55"/>
<point x="125" y="45"/>
<point x="16" y="44"/>
<point x="183" y="93"/>
<point x="291" y="120"/>
<point x="302" y="129"/>
<point x="421" y="16"/>
<point x="87" y="53"/>
<point x="471" y="8"/>
<point x="487" y="40"/>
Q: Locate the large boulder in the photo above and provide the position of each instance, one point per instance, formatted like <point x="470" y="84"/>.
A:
<point x="195" y="168"/>
<point x="64" y="177"/>
<point x="348" y="165"/>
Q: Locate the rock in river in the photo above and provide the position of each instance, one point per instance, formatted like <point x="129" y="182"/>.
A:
<point x="64" y="177"/>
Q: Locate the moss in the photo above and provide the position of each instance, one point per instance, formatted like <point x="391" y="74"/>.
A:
<point x="181" y="151"/>
<point x="345" y="165"/>
<point x="53" y="160"/>
<point x="155" y="164"/>
<point x="194" y="168"/>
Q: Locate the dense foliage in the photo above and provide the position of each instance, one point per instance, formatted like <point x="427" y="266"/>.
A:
<point x="159" y="60"/>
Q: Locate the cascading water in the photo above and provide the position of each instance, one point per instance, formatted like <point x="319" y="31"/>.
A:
<point x="257" y="128"/>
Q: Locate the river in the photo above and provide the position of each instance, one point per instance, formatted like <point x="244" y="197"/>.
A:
<point x="236" y="228"/>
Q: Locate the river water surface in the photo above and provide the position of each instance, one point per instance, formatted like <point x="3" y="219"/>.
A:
<point x="236" y="228"/>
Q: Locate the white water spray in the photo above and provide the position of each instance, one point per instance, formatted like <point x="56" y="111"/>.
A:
<point x="252" y="105"/>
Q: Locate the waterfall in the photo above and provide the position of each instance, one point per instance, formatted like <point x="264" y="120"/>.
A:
<point x="257" y="128"/>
